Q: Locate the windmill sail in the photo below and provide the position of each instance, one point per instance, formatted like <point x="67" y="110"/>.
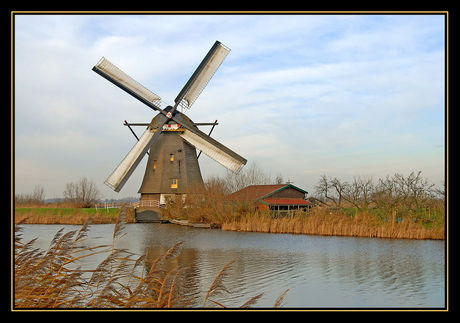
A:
<point x="124" y="170"/>
<point x="112" y="73"/>
<point x="202" y="75"/>
<point x="214" y="149"/>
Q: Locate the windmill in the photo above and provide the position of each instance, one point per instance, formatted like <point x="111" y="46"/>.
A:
<point x="171" y="136"/>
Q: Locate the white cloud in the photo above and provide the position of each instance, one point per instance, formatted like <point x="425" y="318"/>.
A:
<point x="301" y="94"/>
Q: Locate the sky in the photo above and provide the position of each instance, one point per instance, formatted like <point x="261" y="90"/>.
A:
<point x="300" y="95"/>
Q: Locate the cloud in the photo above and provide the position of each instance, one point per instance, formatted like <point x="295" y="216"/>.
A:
<point x="300" y="94"/>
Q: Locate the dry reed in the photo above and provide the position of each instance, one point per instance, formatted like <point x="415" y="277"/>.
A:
<point x="323" y="222"/>
<point x="53" y="279"/>
<point x="218" y="287"/>
<point x="209" y="206"/>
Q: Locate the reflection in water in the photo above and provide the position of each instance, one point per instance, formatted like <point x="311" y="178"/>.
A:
<point x="319" y="271"/>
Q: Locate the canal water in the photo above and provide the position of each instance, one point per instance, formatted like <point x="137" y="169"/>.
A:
<point x="320" y="272"/>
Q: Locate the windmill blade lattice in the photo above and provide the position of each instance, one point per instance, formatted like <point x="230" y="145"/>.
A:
<point x="202" y="75"/>
<point x="112" y="73"/>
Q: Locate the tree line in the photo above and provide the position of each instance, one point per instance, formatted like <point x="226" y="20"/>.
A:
<point x="397" y="194"/>
<point x="82" y="193"/>
<point x="35" y="198"/>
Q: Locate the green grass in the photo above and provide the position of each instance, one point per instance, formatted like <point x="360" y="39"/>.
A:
<point x="429" y="219"/>
<point x="67" y="211"/>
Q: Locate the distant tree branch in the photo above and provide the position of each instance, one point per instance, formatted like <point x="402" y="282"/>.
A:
<point x="83" y="193"/>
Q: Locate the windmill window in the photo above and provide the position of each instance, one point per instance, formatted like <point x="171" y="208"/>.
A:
<point x="174" y="183"/>
<point x="154" y="164"/>
<point x="171" y="157"/>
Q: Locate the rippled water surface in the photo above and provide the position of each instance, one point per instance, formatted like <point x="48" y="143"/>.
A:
<point x="319" y="271"/>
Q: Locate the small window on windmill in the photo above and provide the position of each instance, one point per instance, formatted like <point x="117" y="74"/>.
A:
<point x="171" y="157"/>
<point x="174" y="182"/>
<point x="154" y="164"/>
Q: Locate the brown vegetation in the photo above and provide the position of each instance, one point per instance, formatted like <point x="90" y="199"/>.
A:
<point x="51" y="279"/>
<point x="394" y="207"/>
<point x="36" y="198"/>
<point x="59" y="215"/>
<point x="405" y="195"/>
<point x="327" y="223"/>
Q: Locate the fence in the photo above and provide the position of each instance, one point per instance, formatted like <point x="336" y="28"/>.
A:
<point x="149" y="203"/>
<point x="108" y="205"/>
<point x="111" y="205"/>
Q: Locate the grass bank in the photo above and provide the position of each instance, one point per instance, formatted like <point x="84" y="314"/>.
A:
<point x="316" y="222"/>
<point x="323" y="222"/>
<point x="56" y="215"/>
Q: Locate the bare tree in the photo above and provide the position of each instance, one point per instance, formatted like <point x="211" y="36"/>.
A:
<point x="250" y="175"/>
<point x="279" y="179"/>
<point x="83" y="193"/>
<point x="441" y="192"/>
<point x="397" y="194"/>
<point x="360" y="192"/>
<point x="403" y="193"/>
<point x="414" y="190"/>
<point x="331" y="188"/>
<point x="387" y="195"/>
<point x="339" y="187"/>
<point x="36" y="198"/>
<point x="323" y="188"/>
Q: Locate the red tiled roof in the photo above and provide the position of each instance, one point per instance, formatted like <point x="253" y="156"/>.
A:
<point x="286" y="201"/>
<point x="253" y="192"/>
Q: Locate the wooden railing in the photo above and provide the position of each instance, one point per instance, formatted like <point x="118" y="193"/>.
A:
<point x="149" y="203"/>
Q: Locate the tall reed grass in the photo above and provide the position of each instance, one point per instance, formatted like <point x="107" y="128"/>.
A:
<point x="54" y="279"/>
<point x="209" y="206"/>
<point x="59" y="215"/>
<point x="323" y="222"/>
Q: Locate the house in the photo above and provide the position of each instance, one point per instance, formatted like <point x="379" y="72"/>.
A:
<point x="281" y="198"/>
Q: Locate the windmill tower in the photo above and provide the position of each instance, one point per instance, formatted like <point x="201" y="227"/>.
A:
<point x="171" y="136"/>
<point x="172" y="167"/>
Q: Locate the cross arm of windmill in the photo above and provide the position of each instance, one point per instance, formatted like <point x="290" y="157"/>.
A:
<point x="170" y="116"/>
<point x="213" y="124"/>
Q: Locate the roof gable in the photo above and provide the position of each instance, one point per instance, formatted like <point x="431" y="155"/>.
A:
<point x="257" y="192"/>
<point x="286" y="201"/>
<point x="285" y="187"/>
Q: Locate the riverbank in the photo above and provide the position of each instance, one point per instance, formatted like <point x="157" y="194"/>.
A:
<point x="317" y="222"/>
<point x="76" y="216"/>
<point x="338" y="224"/>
